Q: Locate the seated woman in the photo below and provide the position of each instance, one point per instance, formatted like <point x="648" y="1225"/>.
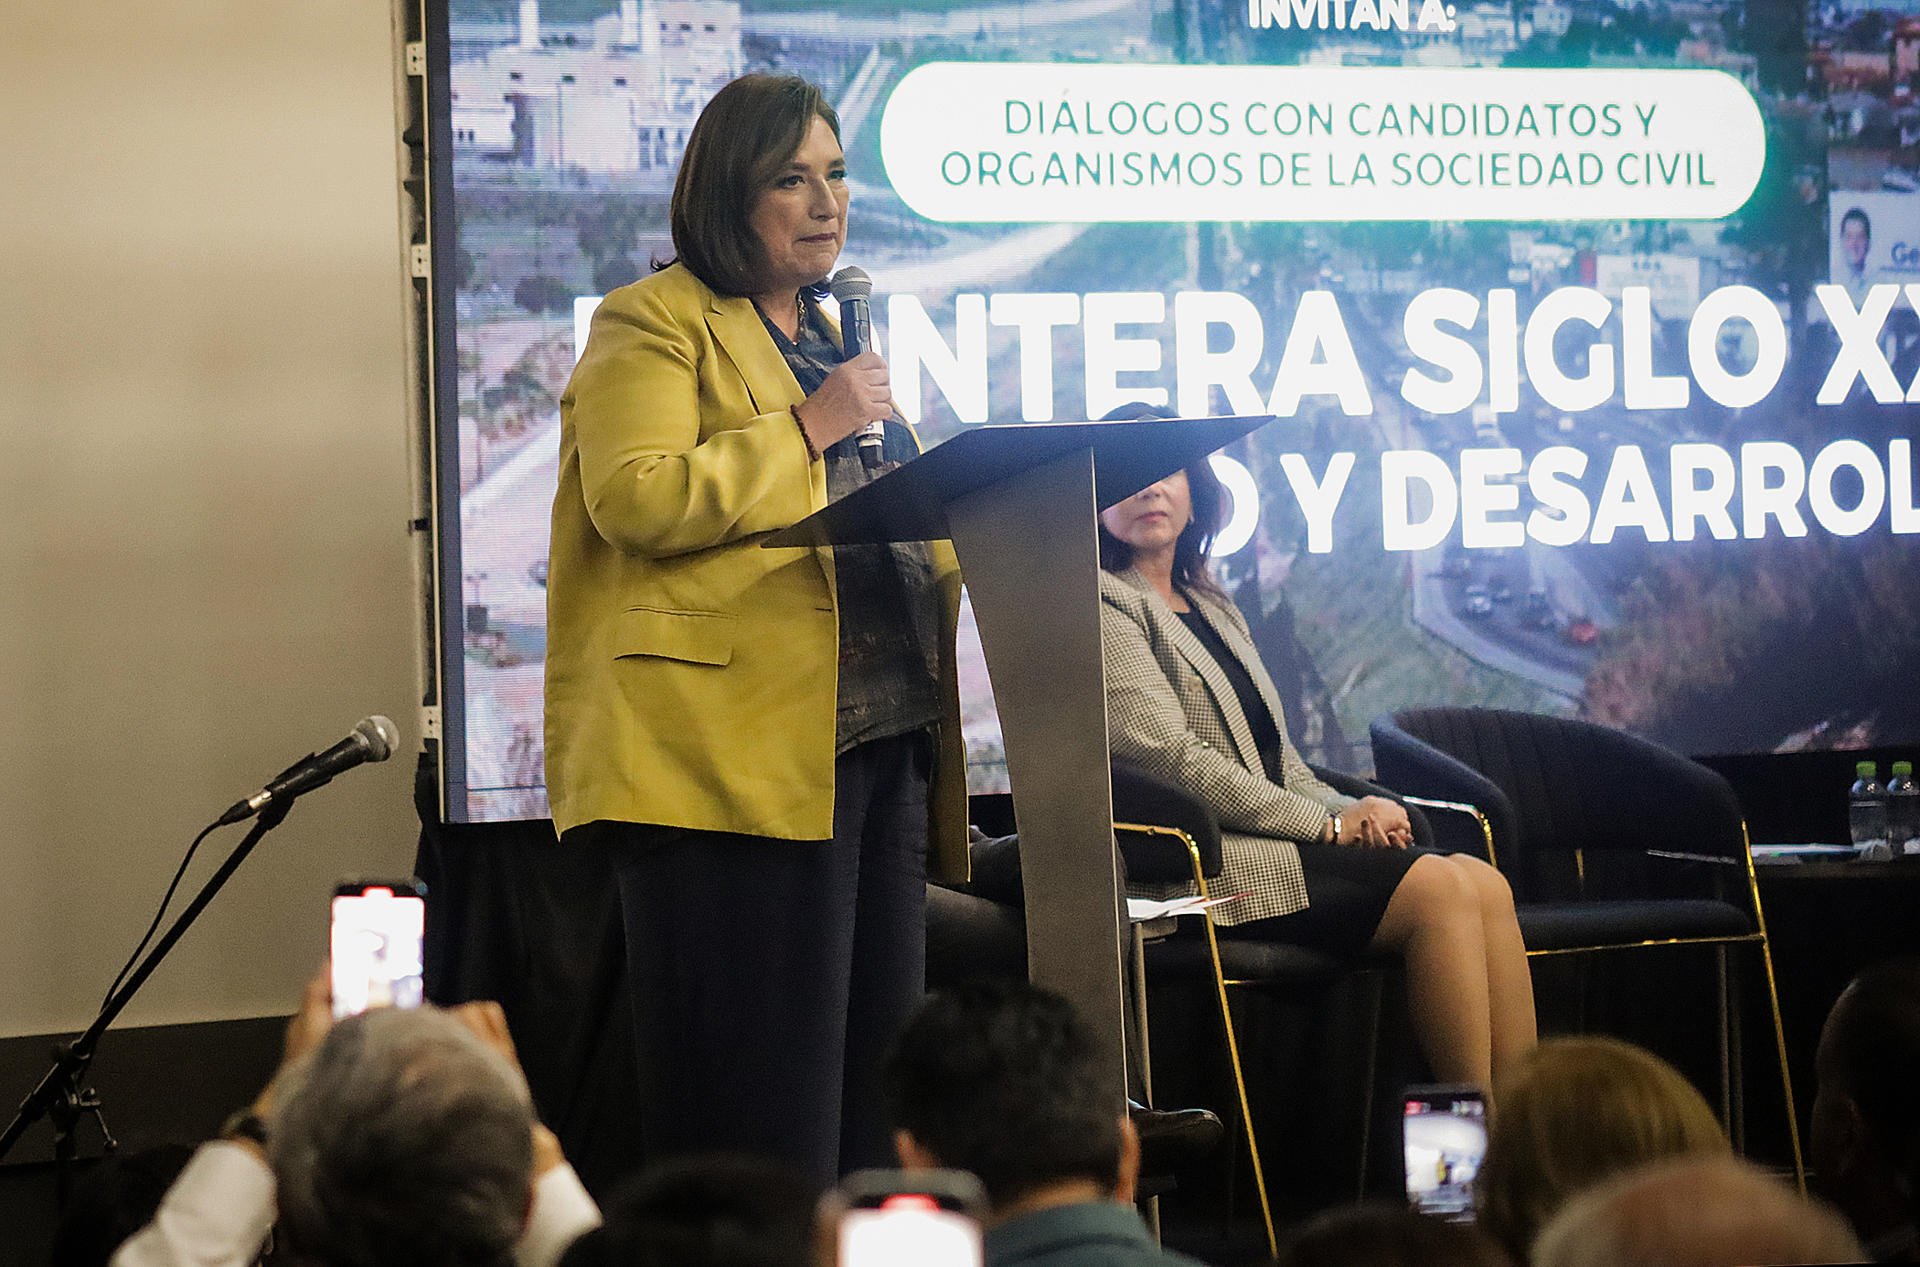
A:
<point x="1188" y="701"/>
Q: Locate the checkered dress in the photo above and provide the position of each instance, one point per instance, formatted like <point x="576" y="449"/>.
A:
<point x="1172" y="711"/>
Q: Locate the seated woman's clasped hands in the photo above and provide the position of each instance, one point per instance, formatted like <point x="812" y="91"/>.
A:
<point x="1375" y="822"/>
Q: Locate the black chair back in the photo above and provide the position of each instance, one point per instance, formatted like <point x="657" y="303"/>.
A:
<point x="1140" y="797"/>
<point x="1574" y="806"/>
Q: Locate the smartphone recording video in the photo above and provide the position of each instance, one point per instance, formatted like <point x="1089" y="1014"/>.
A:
<point x="930" y="1218"/>
<point x="1444" y="1130"/>
<point x="376" y="947"/>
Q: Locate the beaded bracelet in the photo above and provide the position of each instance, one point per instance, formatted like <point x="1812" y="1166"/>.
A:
<point x="813" y="454"/>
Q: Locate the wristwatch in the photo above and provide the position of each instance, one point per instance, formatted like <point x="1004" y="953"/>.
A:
<point x="1335" y="838"/>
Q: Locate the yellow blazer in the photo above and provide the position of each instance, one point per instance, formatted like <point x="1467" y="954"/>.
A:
<point x="691" y="674"/>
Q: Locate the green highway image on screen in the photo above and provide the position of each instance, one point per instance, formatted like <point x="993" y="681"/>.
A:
<point x="1590" y="328"/>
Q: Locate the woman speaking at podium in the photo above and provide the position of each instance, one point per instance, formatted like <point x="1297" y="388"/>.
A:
<point x="766" y="741"/>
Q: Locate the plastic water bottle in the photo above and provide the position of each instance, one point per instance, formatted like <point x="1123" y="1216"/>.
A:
<point x="1903" y="810"/>
<point x="1867" y="810"/>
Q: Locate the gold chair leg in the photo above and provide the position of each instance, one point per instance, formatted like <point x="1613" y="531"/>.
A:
<point x="1786" y="1077"/>
<point x="1226" y="1021"/>
<point x="1240" y="1087"/>
<point x="1773" y="1001"/>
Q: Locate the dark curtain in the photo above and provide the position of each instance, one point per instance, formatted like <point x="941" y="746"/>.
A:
<point x="515" y="917"/>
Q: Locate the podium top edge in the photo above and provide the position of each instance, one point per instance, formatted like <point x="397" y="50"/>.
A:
<point x="1253" y="421"/>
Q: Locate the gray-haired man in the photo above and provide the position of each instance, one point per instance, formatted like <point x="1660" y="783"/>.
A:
<point x="391" y="1137"/>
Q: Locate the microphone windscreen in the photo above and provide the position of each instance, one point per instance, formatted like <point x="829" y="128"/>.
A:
<point x="851" y="283"/>
<point x="381" y="734"/>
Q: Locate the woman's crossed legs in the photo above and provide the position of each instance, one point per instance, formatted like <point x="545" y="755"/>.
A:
<point x="1468" y="985"/>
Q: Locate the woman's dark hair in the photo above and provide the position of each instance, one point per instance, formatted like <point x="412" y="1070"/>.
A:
<point x="1209" y="499"/>
<point x="749" y="131"/>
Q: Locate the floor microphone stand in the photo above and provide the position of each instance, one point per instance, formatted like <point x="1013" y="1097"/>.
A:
<point x="59" y="1095"/>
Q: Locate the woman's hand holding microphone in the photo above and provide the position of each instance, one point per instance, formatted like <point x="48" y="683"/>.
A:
<point x="856" y="393"/>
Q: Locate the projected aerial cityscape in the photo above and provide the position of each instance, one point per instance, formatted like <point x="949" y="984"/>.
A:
<point x="1644" y="598"/>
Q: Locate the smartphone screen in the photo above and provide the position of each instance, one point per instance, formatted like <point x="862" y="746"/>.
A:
<point x="1445" y="1134"/>
<point x="376" y="945"/>
<point x="928" y="1218"/>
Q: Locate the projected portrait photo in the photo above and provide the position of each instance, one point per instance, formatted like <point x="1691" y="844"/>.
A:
<point x="1875" y="237"/>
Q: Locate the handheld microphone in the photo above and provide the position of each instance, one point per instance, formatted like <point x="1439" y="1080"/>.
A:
<point x="853" y="291"/>
<point x="374" y="739"/>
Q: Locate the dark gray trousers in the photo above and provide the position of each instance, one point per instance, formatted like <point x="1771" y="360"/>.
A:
<point x="769" y="975"/>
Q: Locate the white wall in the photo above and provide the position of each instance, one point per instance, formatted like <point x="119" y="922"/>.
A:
<point x="203" y="486"/>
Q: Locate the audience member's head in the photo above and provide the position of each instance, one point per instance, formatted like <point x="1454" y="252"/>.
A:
<point x="401" y="1138"/>
<point x="713" y="1211"/>
<point x="1694" y="1212"/>
<point x="1866" y="1110"/>
<point x="1575" y="1112"/>
<point x="1388" y="1234"/>
<point x="115" y="1199"/>
<point x="999" y="1078"/>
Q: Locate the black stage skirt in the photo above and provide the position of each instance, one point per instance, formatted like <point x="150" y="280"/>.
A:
<point x="1348" y="888"/>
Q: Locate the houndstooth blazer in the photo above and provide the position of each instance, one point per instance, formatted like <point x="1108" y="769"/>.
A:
<point x="1172" y="711"/>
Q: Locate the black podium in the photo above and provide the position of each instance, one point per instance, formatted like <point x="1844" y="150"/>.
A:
<point x="1019" y="504"/>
